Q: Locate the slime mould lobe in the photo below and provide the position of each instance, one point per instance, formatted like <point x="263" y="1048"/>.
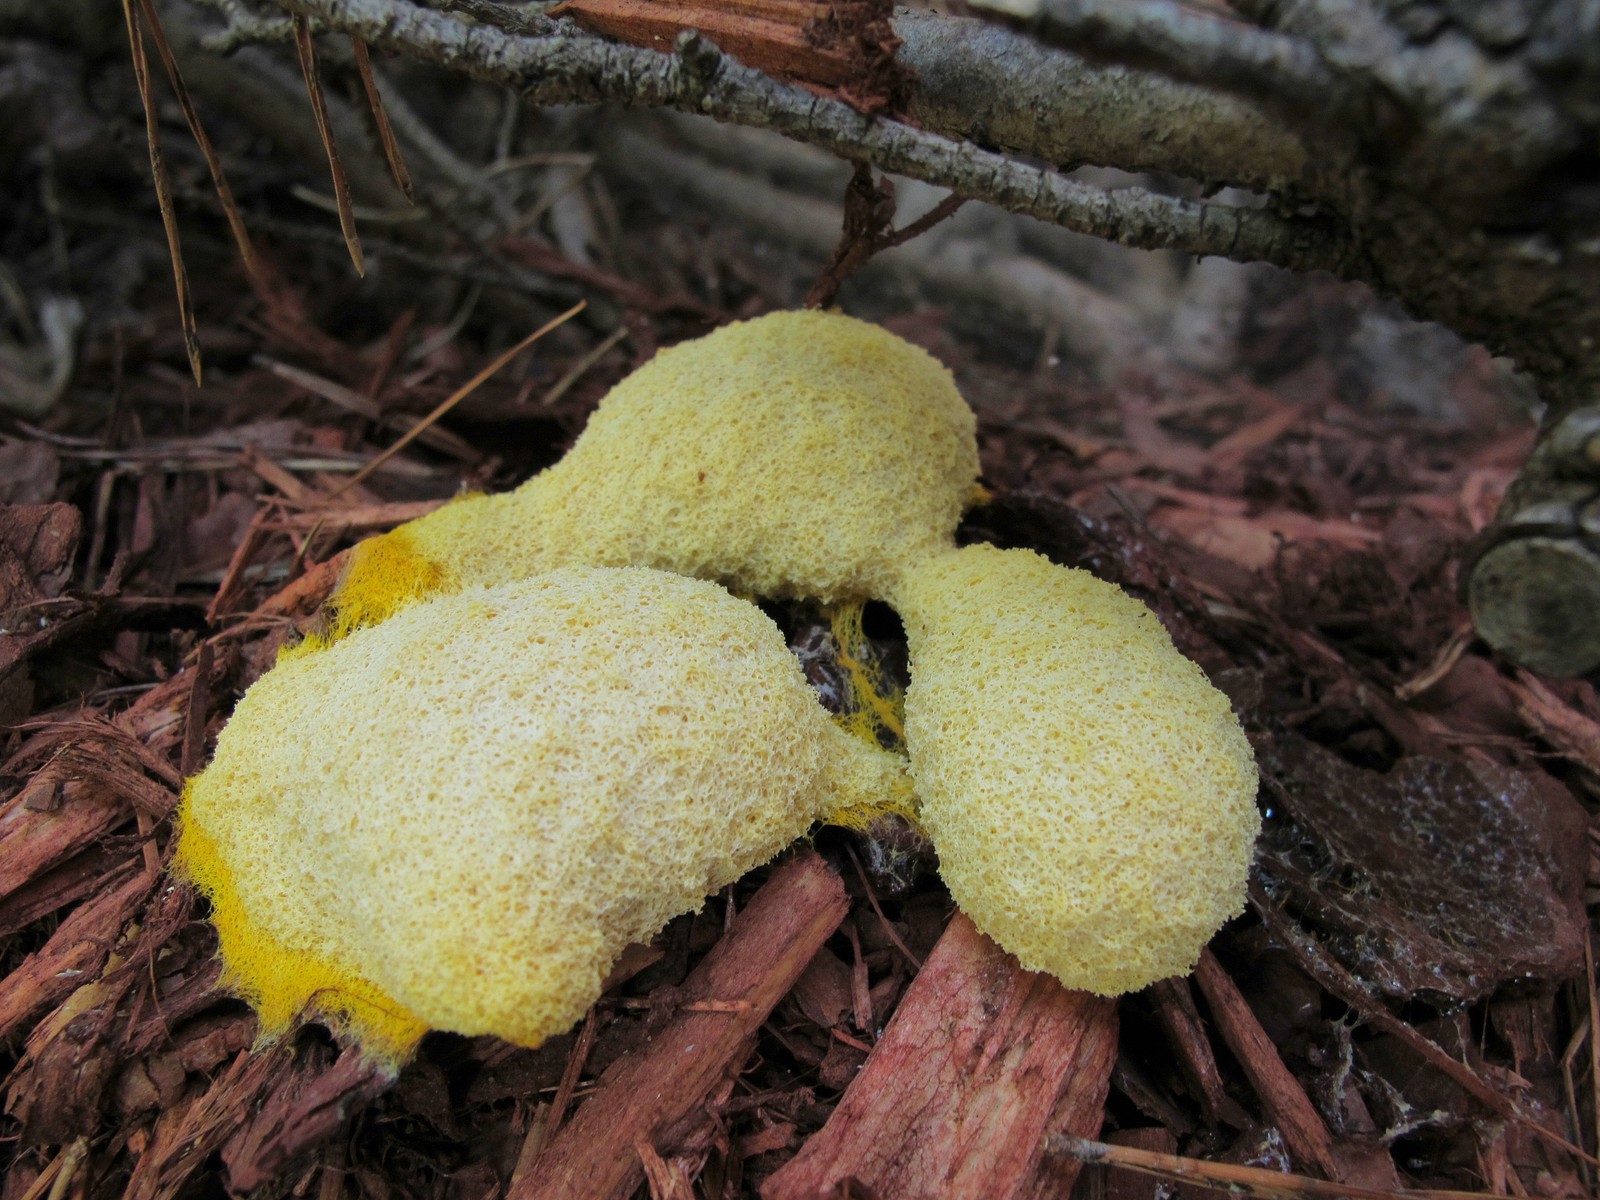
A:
<point x="456" y="844"/>
<point x="801" y="454"/>
<point x="463" y="846"/>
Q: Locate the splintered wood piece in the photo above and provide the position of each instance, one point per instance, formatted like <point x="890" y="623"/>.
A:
<point x="303" y="596"/>
<point x="184" y="1137"/>
<point x="79" y="946"/>
<point x="981" y="1061"/>
<point x="1286" y="1103"/>
<point x="769" y="36"/>
<point x="306" y="49"/>
<point x="645" y="1093"/>
<point x="40" y="829"/>
<point x="309" y="1108"/>
<point x="1175" y="1009"/>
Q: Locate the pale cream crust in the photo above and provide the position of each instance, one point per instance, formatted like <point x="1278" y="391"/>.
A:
<point x="1091" y="795"/>
<point x="476" y="805"/>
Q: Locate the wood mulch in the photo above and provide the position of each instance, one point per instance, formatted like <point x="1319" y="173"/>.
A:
<point x="1407" y="1003"/>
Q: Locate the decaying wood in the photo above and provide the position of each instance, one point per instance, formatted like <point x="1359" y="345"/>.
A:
<point x="849" y="48"/>
<point x="78" y="947"/>
<point x="980" y="1061"/>
<point x="651" y="1092"/>
<point x="1286" y="1102"/>
<point x="1230" y="1177"/>
<point x="186" y="1135"/>
<point x="310" y="1106"/>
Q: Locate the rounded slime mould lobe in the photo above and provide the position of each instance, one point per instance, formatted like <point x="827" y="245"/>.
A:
<point x="800" y="454"/>
<point x="1091" y="795"/>
<point x="457" y="819"/>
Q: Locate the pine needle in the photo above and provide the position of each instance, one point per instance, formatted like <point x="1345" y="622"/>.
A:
<point x="1594" y="1034"/>
<point x="1229" y="1177"/>
<point x="219" y="180"/>
<point x="158" y="171"/>
<point x="307" y="52"/>
<point x="460" y="394"/>
<point x="391" y="145"/>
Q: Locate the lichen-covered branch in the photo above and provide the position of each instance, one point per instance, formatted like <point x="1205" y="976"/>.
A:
<point x="1006" y="91"/>
<point x="699" y="78"/>
<point x="1180" y="43"/>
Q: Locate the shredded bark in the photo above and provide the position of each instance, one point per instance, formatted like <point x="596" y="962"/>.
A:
<point x="1275" y="467"/>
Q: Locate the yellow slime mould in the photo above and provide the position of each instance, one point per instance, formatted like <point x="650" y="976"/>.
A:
<point x="518" y="747"/>
<point x="457" y="819"/>
<point x="798" y="454"/>
<point x="1090" y="794"/>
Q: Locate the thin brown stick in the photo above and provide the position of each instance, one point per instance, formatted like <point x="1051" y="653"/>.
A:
<point x="577" y="370"/>
<point x="1335" y="978"/>
<point x="1226" y="1177"/>
<point x="306" y="49"/>
<point x="219" y="180"/>
<point x="1594" y="1034"/>
<point x="458" y="395"/>
<point x="158" y="171"/>
<point x="1282" y="1096"/>
<point x="391" y="145"/>
<point x="945" y="208"/>
<point x="872" y="899"/>
<point x="868" y="213"/>
<point x="570" y="1075"/>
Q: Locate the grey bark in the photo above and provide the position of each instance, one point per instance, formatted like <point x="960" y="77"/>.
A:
<point x="1445" y="151"/>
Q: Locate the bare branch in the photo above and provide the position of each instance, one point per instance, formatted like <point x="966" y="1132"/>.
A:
<point x="246" y="25"/>
<point x="1184" y="44"/>
<point x="513" y="18"/>
<point x="699" y="78"/>
<point x="1001" y="89"/>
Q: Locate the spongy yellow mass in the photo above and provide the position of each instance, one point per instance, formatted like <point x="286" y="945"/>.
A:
<point x="458" y="818"/>
<point x="798" y="454"/>
<point x="1090" y="794"/>
<point x="517" y="747"/>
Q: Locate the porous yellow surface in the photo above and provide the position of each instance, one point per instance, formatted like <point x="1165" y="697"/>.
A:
<point x="457" y="819"/>
<point x="797" y="454"/>
<point x="1090" y="794"/>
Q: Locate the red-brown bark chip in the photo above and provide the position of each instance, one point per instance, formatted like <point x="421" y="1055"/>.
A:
<point x="644" y="1094"/>
<point x="37" y="544"/>
<point x="1285" y="1100"/>
<point x="980" y="1062"/>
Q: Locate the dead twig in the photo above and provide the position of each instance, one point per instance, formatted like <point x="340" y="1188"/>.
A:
<point x="306" y="51"/>
<point x="1226" y="1177"/>
<point x="457" y="396"/>
<point x="868" y="230"/>
<point x="391" y="145"/>
<point x="163" y="185"/>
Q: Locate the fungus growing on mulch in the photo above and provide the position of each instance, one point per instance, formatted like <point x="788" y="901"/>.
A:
<point x="459" y="846"/>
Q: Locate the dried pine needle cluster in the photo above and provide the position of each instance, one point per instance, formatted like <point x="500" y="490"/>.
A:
<point x="533" y="734"/>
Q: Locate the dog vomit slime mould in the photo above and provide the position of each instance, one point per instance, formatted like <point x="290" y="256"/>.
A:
<point x="1091" y="795"/>
<point x="503" y="785"/>
<point x="458" y="819"/>
<point x="803" y="454"/>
